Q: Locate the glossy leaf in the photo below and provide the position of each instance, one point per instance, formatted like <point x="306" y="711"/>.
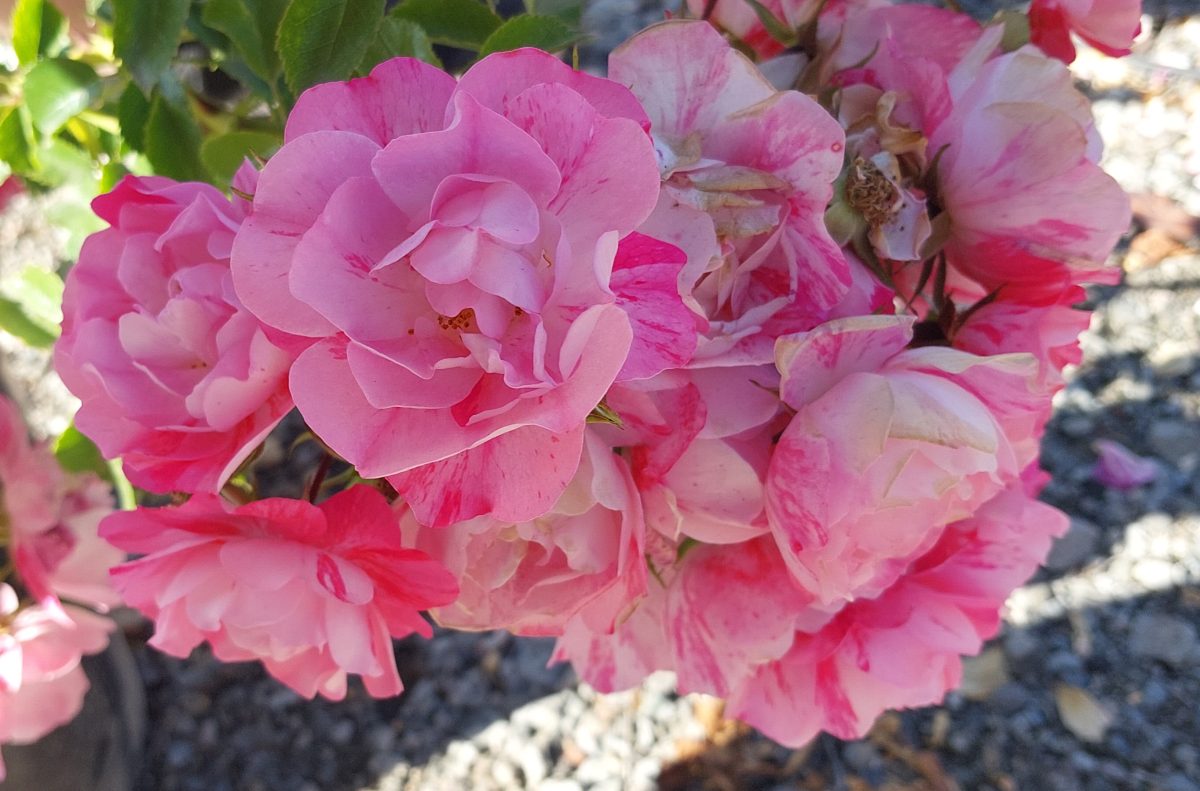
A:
<point x="146" y="36"/>
<point x="223" y="154"/>
<point x="57" y="90"/>
<point x="399" y="37"/>
<point x="76" y="453"/>
<point x="544" y="32"/>
<point x="252" y="26"/>
<point x="324" y="40"/>
<point x="133" y="110"/>
<point x="173" y="142"/>
<point x="15" y="321"/>
<point x="16" y="139"/>
<point x="456" y="23"/>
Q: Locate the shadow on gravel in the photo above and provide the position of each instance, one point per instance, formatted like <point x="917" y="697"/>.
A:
<point x="1135" y="659"/>
<point x="230" y="727"/>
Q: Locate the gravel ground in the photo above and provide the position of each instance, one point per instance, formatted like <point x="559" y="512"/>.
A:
<point x="1092" y="684"/>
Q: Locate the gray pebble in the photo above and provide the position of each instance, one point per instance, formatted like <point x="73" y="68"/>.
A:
<point x="1164" y="637"/>
<point x="1076" y="547"/>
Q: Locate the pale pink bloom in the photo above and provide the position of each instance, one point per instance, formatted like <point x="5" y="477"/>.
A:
<point x="41" y="682"/>
<point x="729" y="610"/>
<point x="51" y="520"/>
<point x="904" y="647"/>
<point x="1048" y="331"/>
<point x="859" y="32"/>
<point x="584" y="557"/>
<point x="888" y="446"/>
<point x="1108" y="25"/>
<point x="314" y="592"/>
<point x="713" y="615"/>
<point x="1015" y="146"/>
<point x="1031" y="211"/>
<point x="622" y="658"/>
<point x="31" y="479"/>
<point x="68" y="559"/>
<point x="1119" y="467"/>
<point x="446" y="249"/>
<point x="738" y="18"/>
<point x="173" y="374"/>
<point x="698" y="442"/>
<point x="729" y="621"/>
<point x="747" y="172"/>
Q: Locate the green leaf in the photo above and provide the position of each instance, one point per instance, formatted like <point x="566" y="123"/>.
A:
<point x="173" y="142"/>
<point x="57" y="90"/>
<point x="456" y="23"/>
<point x="324" y="40"/>
<point x="14" y="321"/>
<point x="16" y="140"/>
<point x="40" y="293"/>
<point x="569" y="11"/>
<point x="37" y="29"/>
<point x="27" y="30"/>
<point x="133" y="110"/>
<point x="146" y="36"/>
<point x="398" y="37"/>
<point x="223" y="154"/>
<point x="252" y="26"/>
<point x="70" y="210"/>
<point x="61" y="163"/>
<point x="544" y="32"/>
<point x="76" y="453"/>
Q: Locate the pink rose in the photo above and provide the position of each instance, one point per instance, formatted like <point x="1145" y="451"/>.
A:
<point x="738" y="18"/>
<point x="583" y="558"/>
<point x="1050" y="332"/>
<point x="1031" y="211"/>
<point x="41" y="682"/>
<point x="887" y="446"/>
<point x="315" y="592"/>
<point x="51" y="520"/>
<point x="446" y="249"/>
<point x="747" y="172"/>
<point x="730" y="621"/>
<point x="904" y="647"/>
<point x="1108" y="25"/>
<point x="173" y="374"/>
<point x="699" y="442"/>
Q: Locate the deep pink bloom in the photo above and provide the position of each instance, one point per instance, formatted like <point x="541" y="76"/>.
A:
<point x="174" y="376"/>
<point x="582" y="558"/>
<point x="747" y="172"/>
<point x="1108" y="25"/>
<point x="447" y="250"/>
<point x="41" y="682"/>
<point x="315" y="592"/>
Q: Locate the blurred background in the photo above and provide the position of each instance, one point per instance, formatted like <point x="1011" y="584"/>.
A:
<point x="1093" y="684"/>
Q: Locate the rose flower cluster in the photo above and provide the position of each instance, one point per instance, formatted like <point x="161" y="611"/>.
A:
<point x="55" y="585"/>
<point x="734" y="367"/>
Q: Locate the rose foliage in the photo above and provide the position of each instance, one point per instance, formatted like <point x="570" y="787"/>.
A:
<point x="733" y="363"/>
